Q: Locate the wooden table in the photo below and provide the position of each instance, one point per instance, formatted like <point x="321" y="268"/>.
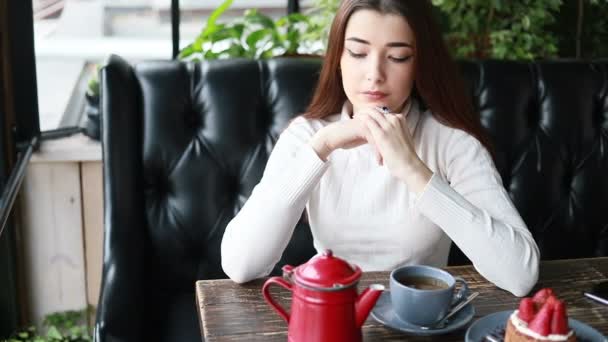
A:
<point x="231" y="312"/>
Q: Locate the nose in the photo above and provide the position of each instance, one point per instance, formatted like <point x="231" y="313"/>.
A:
<point x="375" y="70"/>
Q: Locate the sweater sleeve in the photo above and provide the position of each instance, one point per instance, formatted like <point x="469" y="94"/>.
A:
<point x="474" y="210"/>
<point x="256" y="237"/>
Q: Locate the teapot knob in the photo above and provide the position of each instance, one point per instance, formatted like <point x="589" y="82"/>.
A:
<point x="287" y="272"/>
<point x="327" y="253"/>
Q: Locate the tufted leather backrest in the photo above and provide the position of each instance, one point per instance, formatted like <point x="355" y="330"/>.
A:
<point x="208" y="130"/>
<point x="549" y="123"/>
<point x="185" y="143"/>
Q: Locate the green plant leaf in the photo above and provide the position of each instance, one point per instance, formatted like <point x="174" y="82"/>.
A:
<point x="293" y="38"/>
<point x="236" y="51"/>
<point x="292" y="18"/>
<point x="53" y="333"/>
<point x="252" y="16"/>
<point x="186" y="52"/>
<point x="207" y="33"/>
<point x="474" y="24"/>
<point x="525" y="22"/>
<point x="267" y="54"/>
<point x="209" y="54"/>
<point x="256" y="36"/>
<point x="224" y="33"/>
<point x="216" y="14"/>
<point x="238" y="29"/>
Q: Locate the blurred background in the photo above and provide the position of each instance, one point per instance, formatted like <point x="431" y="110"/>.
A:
<point x="71" y="33"/>
<point x="51" y="249"/>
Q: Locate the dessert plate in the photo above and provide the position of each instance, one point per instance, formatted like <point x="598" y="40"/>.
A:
<point x="498" y="321"/>
<point x="383" y="313"/>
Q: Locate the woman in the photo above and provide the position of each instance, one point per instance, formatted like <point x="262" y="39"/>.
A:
<point x="389" y="161"/>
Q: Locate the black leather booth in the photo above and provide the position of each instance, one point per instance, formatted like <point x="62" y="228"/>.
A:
<point x="184" y="144"/>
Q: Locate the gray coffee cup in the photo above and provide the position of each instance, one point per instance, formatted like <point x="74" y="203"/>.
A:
<point x="423" y="295"/>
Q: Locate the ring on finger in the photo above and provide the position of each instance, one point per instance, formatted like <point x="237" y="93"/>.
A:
<point x="383" y="109"/>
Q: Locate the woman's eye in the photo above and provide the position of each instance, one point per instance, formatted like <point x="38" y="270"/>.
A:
<point x="400" y="59"/>
<point x="355" y="55"/>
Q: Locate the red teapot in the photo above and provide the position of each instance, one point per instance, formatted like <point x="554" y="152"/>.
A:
<point x="325" y="305"/>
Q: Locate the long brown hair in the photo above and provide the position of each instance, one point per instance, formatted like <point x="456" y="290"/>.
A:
<point x="438" y="85"/>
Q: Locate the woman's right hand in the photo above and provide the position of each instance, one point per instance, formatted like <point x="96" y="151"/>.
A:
<point x="344" y="134"/>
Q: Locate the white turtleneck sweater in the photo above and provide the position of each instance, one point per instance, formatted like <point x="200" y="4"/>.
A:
<point x="366" y="216"/>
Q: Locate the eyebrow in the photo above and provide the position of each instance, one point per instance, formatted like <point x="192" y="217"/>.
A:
<point x="391" y="44"/>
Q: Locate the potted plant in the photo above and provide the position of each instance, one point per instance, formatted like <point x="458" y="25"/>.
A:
<point x="499" y="29"/>
<point x="66" y="326"/>
<point x="254" y="35"/>
<point x="91" y="107"/>
<point x="525" y="30"/>
<point x="476" y="29"/>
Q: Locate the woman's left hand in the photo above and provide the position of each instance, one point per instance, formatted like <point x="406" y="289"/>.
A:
<point x="395" y="144"/>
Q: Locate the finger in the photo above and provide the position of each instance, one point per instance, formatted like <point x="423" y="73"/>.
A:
<point x="401" y="120"/>
<point x="380" y="119"/>
<point x="370" y="140"/>
<point x="394" y="120"/>
<point x="377" y="132"/>
<point x="374" y="131"/>
<point x="367" y="134"/>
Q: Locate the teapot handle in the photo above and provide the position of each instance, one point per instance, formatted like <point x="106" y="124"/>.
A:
<point x="265" y="291"/>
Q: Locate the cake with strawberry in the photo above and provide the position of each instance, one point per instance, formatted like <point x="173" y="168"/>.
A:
<point x="540" y="318"/>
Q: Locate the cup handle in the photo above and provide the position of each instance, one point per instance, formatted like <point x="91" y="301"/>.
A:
<point x="266" y="292"/>
<point x="463" y="293"/>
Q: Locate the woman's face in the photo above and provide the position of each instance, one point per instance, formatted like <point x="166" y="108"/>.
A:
<point x="377" y="63"/>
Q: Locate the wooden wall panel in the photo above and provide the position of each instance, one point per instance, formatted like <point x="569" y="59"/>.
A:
<point x="54" y="259"/>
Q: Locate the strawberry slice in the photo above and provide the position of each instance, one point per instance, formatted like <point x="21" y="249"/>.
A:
<point x="526" y="310"/>
<point x="542" y="321"/>
<point x="542" y="295"/>
<point x="559" y="322"/>
<point x="552" y="300"/>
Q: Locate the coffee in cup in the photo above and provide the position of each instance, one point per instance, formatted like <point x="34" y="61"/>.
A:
<point x="423" y="283"/>
<point x="423" y="295"/>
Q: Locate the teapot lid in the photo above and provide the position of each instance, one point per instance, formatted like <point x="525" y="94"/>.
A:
<point x="327" y="273"/>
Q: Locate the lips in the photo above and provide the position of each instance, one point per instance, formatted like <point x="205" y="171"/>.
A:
<point x="374" y="95"/>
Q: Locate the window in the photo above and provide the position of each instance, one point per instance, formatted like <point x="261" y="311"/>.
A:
<point x="72" y="35"/>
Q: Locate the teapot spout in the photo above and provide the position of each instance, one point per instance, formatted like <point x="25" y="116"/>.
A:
<point x="366" y="301"/>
